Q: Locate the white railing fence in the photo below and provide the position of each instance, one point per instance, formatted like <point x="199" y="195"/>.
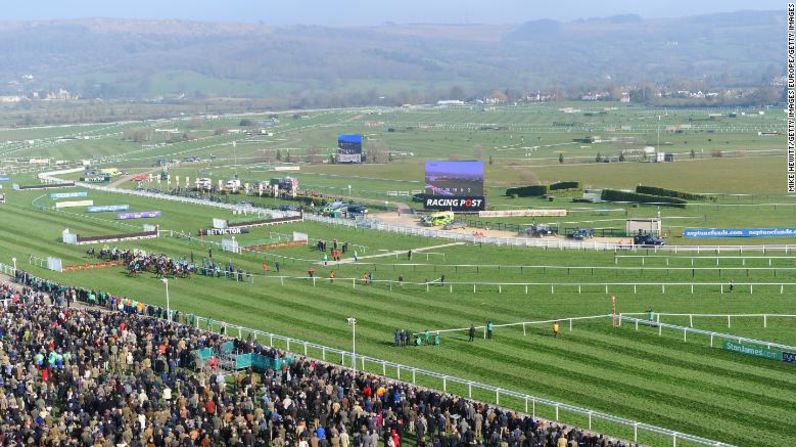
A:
<point x="711" y="334"/>
<point x="532" y="405"/>
<point x="606" y="288"/>
<point x="375" y="224"/>
<point x="729" y="317"/>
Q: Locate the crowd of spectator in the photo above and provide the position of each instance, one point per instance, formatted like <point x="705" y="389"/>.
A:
<point x="94" y="376"/>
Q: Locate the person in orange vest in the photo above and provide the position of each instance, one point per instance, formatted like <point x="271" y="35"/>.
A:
<point x="556" y="329"/>
<point x="332" y="276"/>
<point x="265" y="267"/>
<point x="311" y="272"/>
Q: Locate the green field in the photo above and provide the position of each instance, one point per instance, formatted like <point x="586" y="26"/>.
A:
<point x="661" y="380"/>
<point x="639" y="376"/>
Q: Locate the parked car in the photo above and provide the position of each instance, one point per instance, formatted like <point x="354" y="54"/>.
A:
<point x="581" y="234"/>
<point x="437" y="219"/>
<point x="647" y="239"/>
<point x="204" y="184"/>
<point x="457" y="224"/>
<point x="355" y="211"/>
<point x="540" y="230"/>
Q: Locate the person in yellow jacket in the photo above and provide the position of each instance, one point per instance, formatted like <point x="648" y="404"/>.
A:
<point x="556" y="329"/>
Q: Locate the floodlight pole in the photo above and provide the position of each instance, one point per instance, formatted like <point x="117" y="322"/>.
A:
<point x="353" y="323"/>
<point x="168" y="302"/>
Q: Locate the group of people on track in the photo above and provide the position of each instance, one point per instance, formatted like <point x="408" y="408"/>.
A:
<point x="489" y="329"/>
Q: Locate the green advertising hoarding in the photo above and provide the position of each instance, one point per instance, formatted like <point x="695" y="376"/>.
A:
<point x="752" y="350"/>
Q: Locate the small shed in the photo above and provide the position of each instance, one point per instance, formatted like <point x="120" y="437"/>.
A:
<point x="650" y="225"/>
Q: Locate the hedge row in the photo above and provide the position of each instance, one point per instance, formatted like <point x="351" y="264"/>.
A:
<point x="656" y="191"/>
<point x="564" y="185"/>
<point x="540" y="190"/>
<point x="528" y="191"/>
<point x="613" y="195"/>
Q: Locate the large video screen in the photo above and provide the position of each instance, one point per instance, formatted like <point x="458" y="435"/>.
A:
<point x="456" y="185"/>
<point x="349" y="149"/>
<point x="454" y="178"/>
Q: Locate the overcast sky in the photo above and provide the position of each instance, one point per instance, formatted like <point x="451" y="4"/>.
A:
<point x="370" y="12"/>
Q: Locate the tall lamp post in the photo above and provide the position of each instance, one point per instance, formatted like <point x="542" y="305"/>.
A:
<point x="168" y="302"/>
<point x="353" y="323"/>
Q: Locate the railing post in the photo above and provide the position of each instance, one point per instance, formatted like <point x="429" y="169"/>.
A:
<point x="362" y="358"/>
<point x="765" y="320"/>
<point x="413" y="376"/>
<point x="729" y="323"/>
<point x="445" y="383"/>
<point x="636" y="323"/>
<point x="534" y="408"/>
<point x="557" y="418"/>
<point x="323" y="353"/>
<point x="288" y="345"/>
<point x="271" y="340"/>
<point x="685" y="334"/>
<point x="690" y="320"/>
<point x="398" y="370"/>
<point x="635" y="432"/>
<point x="523" y="329"/>
<point x="570" y="325"/>
<point x="497" y="396"/>
<point x="711" y="339"/>
<point x="526" y="404"/>
<point x="674" y="439"/>
<point x="305" y="348"/>
<point x="470" y="391"/>
<point x="590" y="420"/>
